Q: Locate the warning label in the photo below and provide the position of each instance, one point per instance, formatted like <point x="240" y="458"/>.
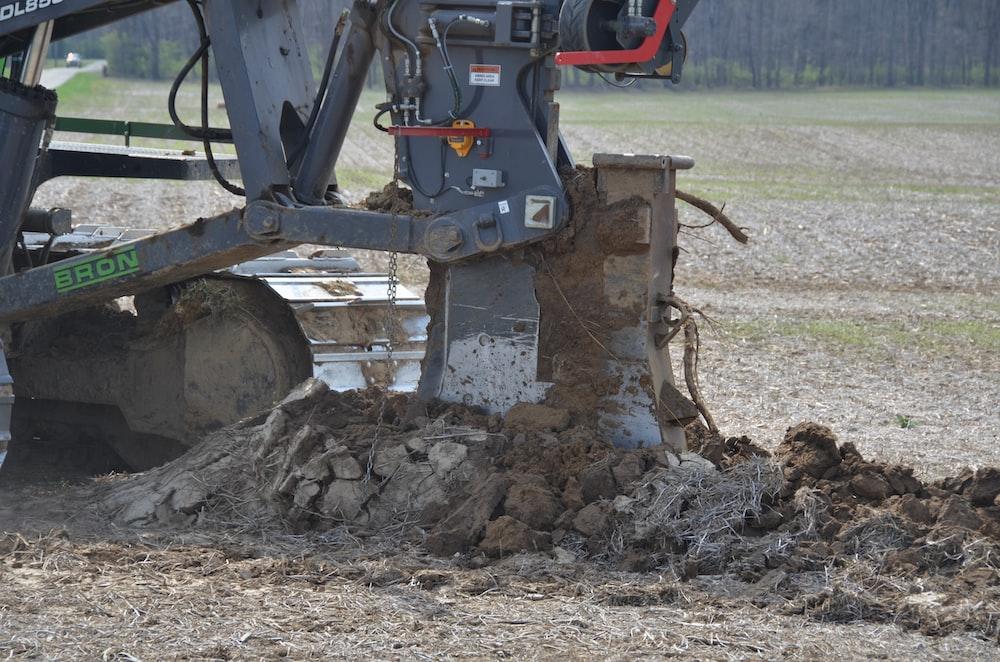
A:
<point x="487" y="75"/>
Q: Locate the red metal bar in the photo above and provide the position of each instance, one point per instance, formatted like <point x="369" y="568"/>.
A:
<point x="645" y="52"/>
<point x="440" y="131"/>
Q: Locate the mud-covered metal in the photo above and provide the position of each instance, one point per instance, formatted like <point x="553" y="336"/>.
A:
<point x="506" y="331"/>
<point x="208" y="352"/>
<point x="339" y="308"/>
<point x="342" y="316"/>
<point x="638" y="350"/>
<point x="189" y="360"/>
<point x="483" y="347"/>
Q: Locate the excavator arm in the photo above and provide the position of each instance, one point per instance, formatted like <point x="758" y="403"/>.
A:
<point x="497" y="207"/>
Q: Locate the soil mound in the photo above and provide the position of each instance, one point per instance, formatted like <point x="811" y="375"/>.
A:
<point x="391" y="199"/>
<point x="455" y="481"/>
<point x="311" y="464"/>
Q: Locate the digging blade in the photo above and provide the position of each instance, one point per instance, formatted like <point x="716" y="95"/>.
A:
<point x="567" y="323"/>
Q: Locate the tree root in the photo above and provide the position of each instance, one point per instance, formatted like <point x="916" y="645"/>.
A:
<point x="691" y="348"/>
<point x="717" y="214"/>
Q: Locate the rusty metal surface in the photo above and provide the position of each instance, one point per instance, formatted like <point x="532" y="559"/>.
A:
<point x="652" y="178"/>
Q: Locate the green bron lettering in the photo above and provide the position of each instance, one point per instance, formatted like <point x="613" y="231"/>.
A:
<point x="105" y="267"/>
<point x="64" y="280"/>
<point x="84" y="272"/>
<point x="128" y="261"/>
<point x="95" y="270"/>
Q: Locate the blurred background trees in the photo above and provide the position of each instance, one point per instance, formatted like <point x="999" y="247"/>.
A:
<point x="765" y="44"/>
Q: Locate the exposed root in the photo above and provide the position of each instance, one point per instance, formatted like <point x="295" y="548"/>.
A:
<point x="691" y="349"/>
<point x="718" y="215"/>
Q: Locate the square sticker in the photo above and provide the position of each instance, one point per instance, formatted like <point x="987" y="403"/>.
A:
<point x="540" y="212"/>
<point x="484" y="75"/>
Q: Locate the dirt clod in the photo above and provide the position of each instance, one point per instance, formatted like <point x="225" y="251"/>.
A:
<point x="630" y="469"/>
<point x="958" y="512"/>
<point x="596" y="483"/>
<point x="984" y="488"/>
<point x="913" y="508"/>
<point x="463" y="528"/>
<point x="536" y="418"/>
<point x="808" y="448"/>
<point x="870" y="486"/>
<point x="391" y="199"/>
<point x="531" y="500"/>
<point x="506" y="535"/>
<point x="593" y="519"/>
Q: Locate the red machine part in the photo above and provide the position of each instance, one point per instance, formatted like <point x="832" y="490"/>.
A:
<point x="645" y="52"/>
<point x="440" y="131"/>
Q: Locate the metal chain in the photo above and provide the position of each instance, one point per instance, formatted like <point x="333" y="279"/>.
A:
<point x="390" y="329"/>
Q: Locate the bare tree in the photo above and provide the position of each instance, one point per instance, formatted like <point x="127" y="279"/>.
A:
<point x="760" y="43"/>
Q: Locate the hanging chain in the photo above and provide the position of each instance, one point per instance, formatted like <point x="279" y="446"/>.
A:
<point x="390" y="329"/>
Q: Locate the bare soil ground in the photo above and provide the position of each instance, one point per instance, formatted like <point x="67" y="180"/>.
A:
<point x="866" y="301"/>
<point x="754" y="565"/>
<point x="168" y="597"/>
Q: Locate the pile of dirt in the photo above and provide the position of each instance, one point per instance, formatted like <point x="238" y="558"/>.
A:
<point x="582" y="313"/>
<point x="452" y="480"/>
<point x="391" y="199"/>
<point x="468" y="481"/>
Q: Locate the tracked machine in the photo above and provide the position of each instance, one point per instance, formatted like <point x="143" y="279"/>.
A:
<point x="215" y="320"/>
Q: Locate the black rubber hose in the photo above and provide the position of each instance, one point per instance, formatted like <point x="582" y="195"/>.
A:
<point x="206" y="140"/>
<point x="194" y="132"/>
<point x="456" y="91"/>
<point x="412" y="175"/>
<point x="206" y="143"/>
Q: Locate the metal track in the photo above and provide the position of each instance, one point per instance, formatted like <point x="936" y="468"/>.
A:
<point x="342" y="315"/>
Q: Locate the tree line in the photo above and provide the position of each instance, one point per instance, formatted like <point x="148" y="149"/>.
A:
<point x="764" y="44"/>
<point x="878" y="43"/>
